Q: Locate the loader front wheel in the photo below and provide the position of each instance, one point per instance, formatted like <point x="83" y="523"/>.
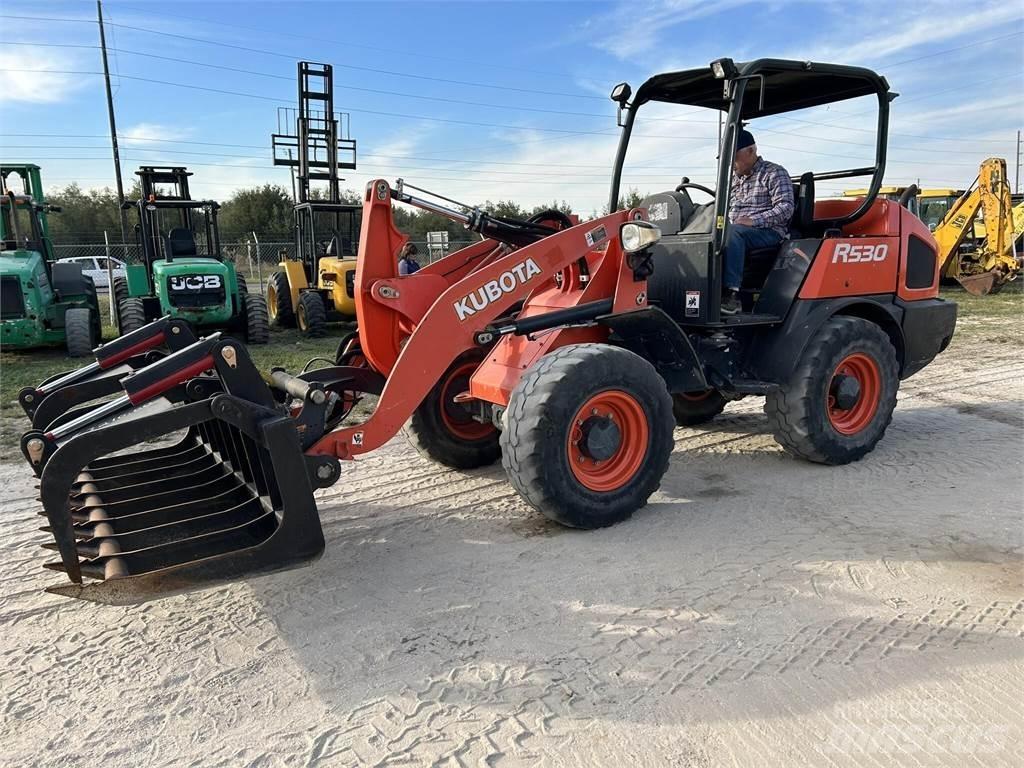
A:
<point x="79" y="331"/>
<point x="131" y="315"/>
<point x="588" y="435"/>
<point x="839" y="401"/>
<point x="692" y="408"/>
<point x="257" y="330"/>
<point x="311" y="314"/>
<point x="444" y="430"/>
<point x="279" y="301"/>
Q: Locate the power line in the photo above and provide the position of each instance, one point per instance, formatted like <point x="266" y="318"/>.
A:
<point x="291" y="57"/>
<point x="350" y="44"/>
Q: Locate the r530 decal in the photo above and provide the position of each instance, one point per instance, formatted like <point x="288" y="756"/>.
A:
<point x="849" y="253"/>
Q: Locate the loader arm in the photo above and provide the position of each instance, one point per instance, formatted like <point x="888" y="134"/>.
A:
<point x="448" y="327"/>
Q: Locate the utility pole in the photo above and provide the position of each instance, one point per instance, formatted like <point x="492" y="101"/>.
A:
<point x="113" y="127"/>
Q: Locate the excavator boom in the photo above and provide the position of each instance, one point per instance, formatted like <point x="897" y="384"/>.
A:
<point x="988" y="267"/>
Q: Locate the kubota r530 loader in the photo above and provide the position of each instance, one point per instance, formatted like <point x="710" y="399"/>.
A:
<point x="570" y="351"/>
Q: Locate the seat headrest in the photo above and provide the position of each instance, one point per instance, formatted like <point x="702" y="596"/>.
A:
<point x="181" y="242"/>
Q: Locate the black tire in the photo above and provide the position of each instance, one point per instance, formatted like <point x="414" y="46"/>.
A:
<point x="801" y="413"/>
<point x="537" y="447"/>
<point x="94" y="308"/>
<point x="694" y="408"/>
<point x="243" y="286"/>
<point x="444" y="431"/>
<point x="131" y="315"/>
<point x="120" y="290"/>
<point x="279" y="301"/>
<point x="311" y="315"/>
<point x="349" y="352"/>
<point x="257" y="325"/>
<point x="79" y="331"/>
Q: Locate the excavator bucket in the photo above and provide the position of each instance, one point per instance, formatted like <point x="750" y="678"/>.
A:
<point x="224" y="492"/>
<point x="981" y="284"/>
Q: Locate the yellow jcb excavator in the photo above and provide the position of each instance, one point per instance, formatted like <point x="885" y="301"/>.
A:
<point x="988" y="266"/>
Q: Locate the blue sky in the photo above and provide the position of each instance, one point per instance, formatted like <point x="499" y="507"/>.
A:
<point x="538" y="125"/>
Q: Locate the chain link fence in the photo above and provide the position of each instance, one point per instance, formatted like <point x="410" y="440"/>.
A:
<point x="250" y="257"/>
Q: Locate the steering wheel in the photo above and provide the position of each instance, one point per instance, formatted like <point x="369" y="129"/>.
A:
<point x="552" y="214"/>
<point x="691" y="185"/>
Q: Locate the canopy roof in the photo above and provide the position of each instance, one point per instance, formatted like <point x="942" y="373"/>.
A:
<point x="788" y="85"/>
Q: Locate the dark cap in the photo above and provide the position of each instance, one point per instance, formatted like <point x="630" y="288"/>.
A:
<point x="744" y="140"/>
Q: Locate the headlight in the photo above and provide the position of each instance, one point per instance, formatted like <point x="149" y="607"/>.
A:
<point x="637" y="235"/>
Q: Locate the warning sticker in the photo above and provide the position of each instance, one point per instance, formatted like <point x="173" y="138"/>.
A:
<point x="692" y="303"/>
<point x="595" y="236"/>
<point x="658" y="211"/>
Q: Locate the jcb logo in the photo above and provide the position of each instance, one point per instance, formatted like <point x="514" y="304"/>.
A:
<point x="850" y="254"/>
<point x="195" y="282"/>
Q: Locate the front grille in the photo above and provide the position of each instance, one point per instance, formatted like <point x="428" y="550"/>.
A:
<point x="12" y="301"/>
<point x="193" y="291"/>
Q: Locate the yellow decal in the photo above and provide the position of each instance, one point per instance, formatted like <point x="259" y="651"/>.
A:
<point x="720" y="223"/>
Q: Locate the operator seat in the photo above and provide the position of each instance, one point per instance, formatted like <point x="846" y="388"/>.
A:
<point x="180" y="242"/>
<point x="760" y="261"/>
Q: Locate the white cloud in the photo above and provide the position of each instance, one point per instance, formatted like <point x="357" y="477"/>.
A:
<point x="47" y="87"/>
<point x="151" y="133"/>
<point x="634" y="28"/>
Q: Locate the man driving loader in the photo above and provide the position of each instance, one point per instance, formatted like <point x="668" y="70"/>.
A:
<point x="760" y="207"/>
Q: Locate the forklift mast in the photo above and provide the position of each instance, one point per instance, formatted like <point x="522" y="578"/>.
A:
<point x="314" y="139"/>
<point x="31" y="185"/>
<point x="176" y="177"/>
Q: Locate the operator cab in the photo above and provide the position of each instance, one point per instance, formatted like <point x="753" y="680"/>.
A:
<point x="688" y="260"/>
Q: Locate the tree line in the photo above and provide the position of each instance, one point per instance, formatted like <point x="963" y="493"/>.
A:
<point x="267" y="210"/>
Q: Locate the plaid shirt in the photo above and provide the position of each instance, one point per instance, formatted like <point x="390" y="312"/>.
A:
<point x="765" y="195"/>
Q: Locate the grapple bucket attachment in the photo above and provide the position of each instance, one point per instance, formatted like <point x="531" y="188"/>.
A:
<point x="49" y="400"/>
<point x="233" y="496"/>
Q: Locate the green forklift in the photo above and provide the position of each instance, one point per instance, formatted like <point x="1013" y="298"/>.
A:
<point x="183" y="273"/>
<point x="41" y="303"/>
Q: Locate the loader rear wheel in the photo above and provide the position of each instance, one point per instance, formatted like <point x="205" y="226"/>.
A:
<point x="311" y="315"/>
<point x="243" y="286"/>
<point x="444" y="430"/>
<point x="691" y="408"/>
<point x="589" y="435"/>
<point x="257" y="329"/>
<point x="79" y="331"/>
<point x="840" y="399"/>
<point x="279" y="301"/>
<point x="131" y="314"/>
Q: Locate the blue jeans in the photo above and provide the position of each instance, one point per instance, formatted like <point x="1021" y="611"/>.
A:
<point x="743" y="238"/>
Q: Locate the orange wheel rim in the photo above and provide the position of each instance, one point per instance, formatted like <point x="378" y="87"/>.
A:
<point x="611" y="472"/>
<point x="457" y="418"/>
<point x="855" y="416"/>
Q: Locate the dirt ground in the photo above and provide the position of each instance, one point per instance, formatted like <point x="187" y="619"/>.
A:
<point x="760" y="611"/>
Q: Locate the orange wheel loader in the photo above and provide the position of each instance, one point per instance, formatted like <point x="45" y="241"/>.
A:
<point x="569" y="351"/>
